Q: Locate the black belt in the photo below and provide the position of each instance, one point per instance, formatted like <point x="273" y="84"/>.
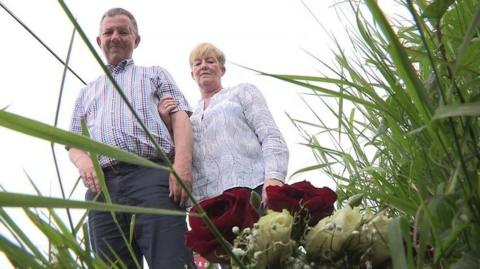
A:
<point x="118" y="165"/>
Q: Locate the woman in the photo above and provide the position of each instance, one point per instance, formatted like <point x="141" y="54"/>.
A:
<point x="236" y="141"/>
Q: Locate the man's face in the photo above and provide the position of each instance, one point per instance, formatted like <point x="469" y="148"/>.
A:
<point x="117" y="38"/>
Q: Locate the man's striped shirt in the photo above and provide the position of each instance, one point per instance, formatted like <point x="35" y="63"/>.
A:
<point x="110" y="121"/>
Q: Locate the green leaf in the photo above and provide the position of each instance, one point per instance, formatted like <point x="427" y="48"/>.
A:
<point x="61" y="242"/>
<point x="311" y="168"/>
<point x="472" y="31"/>
<point x="46" y="132"/>
<point x="407" y="206"/>
<point x="315" y="88"/>
<point x="437" y="8"/>
<point x="404" y="66"/>
<point x="17" y="255"/>
<point x="355" y="200"/>
<point x="19" y="233"/>
<point x="25" y="200"/>
<point x="255" y="199"/>
<point x="468" y="109"/>
<point x="396" y="230"/>
<point x="468" y="260"/>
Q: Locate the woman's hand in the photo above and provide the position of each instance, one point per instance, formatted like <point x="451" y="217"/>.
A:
<point x="269" y="182"/>
<point x="165" y="106"/>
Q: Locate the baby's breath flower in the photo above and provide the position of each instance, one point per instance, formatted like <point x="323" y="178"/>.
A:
<point x="235" y="229"/>
<point x="238" y="252"/>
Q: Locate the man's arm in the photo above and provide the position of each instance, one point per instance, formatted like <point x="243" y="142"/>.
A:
<point x="182" y="135"/>
<point x="84" y="164"/>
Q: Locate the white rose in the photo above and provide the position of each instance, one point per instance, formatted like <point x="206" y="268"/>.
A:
<point x="272" y="243"/>
<point x="331" y="233"/>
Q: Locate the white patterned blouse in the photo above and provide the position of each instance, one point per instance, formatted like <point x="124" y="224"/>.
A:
<point x="236" y="143"/>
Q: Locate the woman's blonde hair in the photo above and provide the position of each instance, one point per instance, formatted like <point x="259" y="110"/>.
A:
<point x="204" y="50"/>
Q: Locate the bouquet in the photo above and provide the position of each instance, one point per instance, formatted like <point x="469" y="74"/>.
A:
<point x="299" y="230"/>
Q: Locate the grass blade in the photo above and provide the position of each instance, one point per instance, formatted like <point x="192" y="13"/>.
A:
<point x="467" y="109"/>
<point x="59" y="136"/>
<point x="26" y="200"/>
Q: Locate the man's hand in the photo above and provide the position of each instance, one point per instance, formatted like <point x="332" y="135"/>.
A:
<point x="85" y="168"/>
<point x="177" y="193"/>
<point x="269" y="182"/>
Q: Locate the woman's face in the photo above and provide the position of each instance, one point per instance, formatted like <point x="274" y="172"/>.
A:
<point x="207" y="72"/>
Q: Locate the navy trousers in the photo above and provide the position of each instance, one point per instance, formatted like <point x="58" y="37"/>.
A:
<point x="158" y="238"/>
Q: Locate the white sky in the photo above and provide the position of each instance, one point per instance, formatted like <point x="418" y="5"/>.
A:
<point x="267" y="35"/>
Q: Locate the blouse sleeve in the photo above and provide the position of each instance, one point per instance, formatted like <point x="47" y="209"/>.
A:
<point x="259" y="118"/>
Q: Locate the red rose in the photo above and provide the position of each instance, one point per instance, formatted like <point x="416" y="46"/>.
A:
<point x="230" y="209"/>
<point x="317" y="202"/>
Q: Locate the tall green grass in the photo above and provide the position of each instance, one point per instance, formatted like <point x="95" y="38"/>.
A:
<point x="407" y="136"/>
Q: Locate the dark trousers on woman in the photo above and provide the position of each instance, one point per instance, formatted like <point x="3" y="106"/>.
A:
<point x="158" y="238"/>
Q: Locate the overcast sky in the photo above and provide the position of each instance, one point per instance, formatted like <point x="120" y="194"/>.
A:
<point x="268" y="35"/>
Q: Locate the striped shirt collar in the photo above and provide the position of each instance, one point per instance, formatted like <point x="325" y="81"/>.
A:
<point x="120" y="66"/>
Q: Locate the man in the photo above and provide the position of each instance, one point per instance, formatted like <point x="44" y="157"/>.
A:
<point x="160" y="239"/>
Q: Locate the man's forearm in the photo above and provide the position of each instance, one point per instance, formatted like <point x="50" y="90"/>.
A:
<point x="182" y="135"/>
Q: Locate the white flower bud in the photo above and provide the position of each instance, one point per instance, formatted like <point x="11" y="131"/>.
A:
<point x="235" y="229"/>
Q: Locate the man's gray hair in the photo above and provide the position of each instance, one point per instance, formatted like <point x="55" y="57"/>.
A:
<point x="120" y="11"/>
